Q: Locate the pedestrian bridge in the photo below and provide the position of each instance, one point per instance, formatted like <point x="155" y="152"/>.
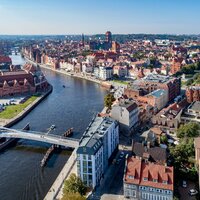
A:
<point x="38" y="136"/>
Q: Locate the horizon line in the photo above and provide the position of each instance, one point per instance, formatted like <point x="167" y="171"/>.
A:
<point x="77" y="34"/>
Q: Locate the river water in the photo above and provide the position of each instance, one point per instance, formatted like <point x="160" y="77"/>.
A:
<point x="21" y="177"/>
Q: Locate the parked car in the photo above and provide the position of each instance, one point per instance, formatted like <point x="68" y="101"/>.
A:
<point x="193" y="192"/>
<point x="184" y="184"/>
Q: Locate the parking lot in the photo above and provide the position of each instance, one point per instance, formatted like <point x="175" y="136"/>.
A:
<point x="8" y="100"/>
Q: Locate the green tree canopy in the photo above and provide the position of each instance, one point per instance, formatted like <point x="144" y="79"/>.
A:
<point x="74" y="185"/>
<point x="188" y="130"/>
<point x="190" y="69"/>
<point x="108" y="100"/>
<point x="183" y="153"/>
<point x="163" y="139"/>
<point x="73" y="196"/>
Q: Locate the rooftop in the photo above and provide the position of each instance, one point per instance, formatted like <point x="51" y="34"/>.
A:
<point x="157" y="154"/>
<point x="148" y="174"/>
<point x="157" y="78"/>
<point x="91" y="140"/>
<point x="195" y="106"/>
<point x="157" y="93"/>
<point x="130" y="106"/>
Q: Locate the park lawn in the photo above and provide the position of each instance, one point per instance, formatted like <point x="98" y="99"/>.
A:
<point x="122" y="82"/>
<point x="13" y="110"/>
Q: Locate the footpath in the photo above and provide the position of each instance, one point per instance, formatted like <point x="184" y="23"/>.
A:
<point x="55" y="191"/>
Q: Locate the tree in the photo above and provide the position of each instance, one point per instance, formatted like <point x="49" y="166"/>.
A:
<point x="73" y="196"/>
<point x="188" y="130"/>
<point x="163" y="139"/>
<point x="189" y="82"/>
<point x="183" y="154"/>
<point x="108" y="100"/>
<point x="74" y="185"/>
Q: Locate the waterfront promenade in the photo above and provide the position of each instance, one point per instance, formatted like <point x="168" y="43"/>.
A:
<point x="55" y="191"/>
<point x="63" y="71"/>
<point x="105" y="84"/>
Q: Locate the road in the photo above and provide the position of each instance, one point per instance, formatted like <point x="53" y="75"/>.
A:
<point x="111" y="187"/>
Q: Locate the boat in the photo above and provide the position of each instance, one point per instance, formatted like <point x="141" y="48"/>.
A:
<point x="64" y="86"/>
<point x="53" y="127"/>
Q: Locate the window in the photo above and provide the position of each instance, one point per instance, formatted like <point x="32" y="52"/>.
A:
<point x="145" y="179"/>
<point x="84" y="169"/>
<point x="85" y="179"/>
<point x="155" y="180"/>
<point x="84" y="163"/>
<point x="164" y="182"/>
<point x="90" y="177"/>
<point x="89" y="164"/>
<point x="131" y="177"/>
<point x="84" y="157"/>
<point x="142" y="188"/>
<point x="89" y="157"/>
<point x="151" y="189"/>
<point x="133" y="193"/>
<point x="127" y="193"/>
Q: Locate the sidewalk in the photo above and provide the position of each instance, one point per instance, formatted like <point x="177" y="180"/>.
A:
<point x="60" y="193"/>
<point x="55" y="191"/>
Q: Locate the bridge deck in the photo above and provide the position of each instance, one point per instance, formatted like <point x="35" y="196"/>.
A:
<point x="39" y="136"/>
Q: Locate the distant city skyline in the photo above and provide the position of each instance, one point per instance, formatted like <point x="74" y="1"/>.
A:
<point x="90" y="17"/>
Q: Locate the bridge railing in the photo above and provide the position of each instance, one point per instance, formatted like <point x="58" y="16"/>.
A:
<point x="3" y="129"/>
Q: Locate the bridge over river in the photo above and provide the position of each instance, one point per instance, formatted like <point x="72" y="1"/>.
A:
<point x="39" y="136"/>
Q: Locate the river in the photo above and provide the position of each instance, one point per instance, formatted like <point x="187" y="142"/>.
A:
<point x="21" y="177"/>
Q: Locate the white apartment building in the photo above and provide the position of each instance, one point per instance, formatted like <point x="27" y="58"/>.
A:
<point x="98" y="143"/>
<point x="103" y="73"/>
<point x="126" y="113"/>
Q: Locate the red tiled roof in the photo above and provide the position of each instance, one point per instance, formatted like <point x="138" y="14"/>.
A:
<point x="132" y="107"/>
<point x="139" y="170"/>
<point x="5" y="59"/>
<point x="156" y="130"/>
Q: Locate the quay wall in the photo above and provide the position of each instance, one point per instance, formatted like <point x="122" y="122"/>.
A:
<point x="105" y="84"/>
<point x="10" y="122"/>
<point x="58" y="183"/>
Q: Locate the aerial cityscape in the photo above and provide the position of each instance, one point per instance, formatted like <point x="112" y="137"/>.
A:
<point x="99" y="100"/>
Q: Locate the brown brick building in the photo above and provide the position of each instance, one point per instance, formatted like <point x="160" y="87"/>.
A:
<point x="16" y="82"/>
<point x="153" y="82"/>
<point x="193" y="93"/>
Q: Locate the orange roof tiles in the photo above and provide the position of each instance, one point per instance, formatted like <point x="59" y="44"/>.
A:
<point x="149" y="174"/>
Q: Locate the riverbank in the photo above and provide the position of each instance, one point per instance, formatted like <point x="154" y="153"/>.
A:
<point x="10" y="122"/>
<point x="73" y="74"/>
<point x="55" y="192"/>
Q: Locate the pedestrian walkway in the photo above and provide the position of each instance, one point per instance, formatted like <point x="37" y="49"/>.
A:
<point x="56" y="188"/>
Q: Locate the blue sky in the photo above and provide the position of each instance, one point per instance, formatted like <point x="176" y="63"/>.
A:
<point x="98" y="16"/>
